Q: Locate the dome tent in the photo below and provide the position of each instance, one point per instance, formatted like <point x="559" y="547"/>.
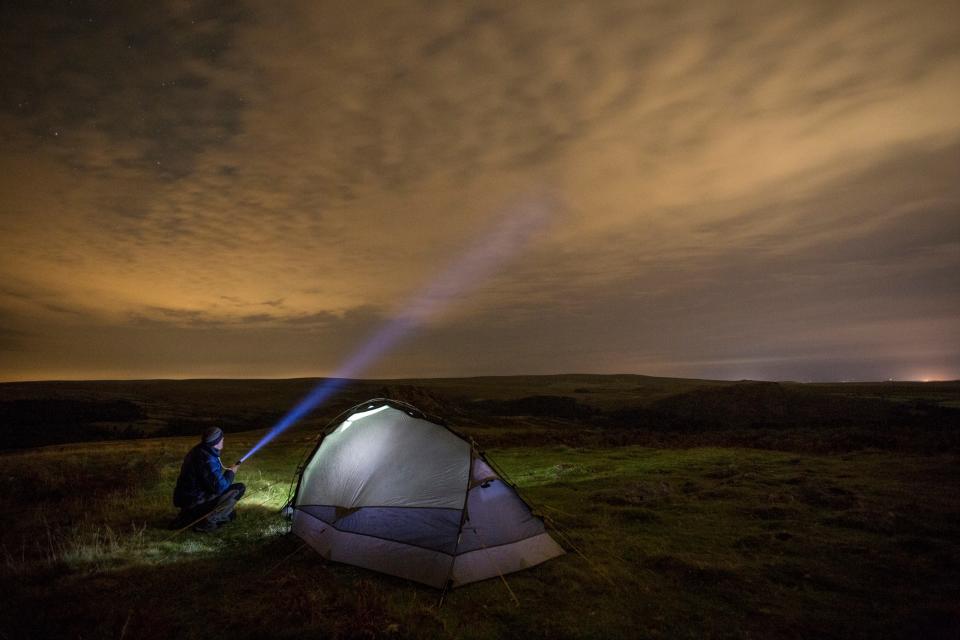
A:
<point x="390" y="489"/>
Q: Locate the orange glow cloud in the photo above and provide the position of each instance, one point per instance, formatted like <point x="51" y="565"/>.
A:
<point x="748" y="189"/>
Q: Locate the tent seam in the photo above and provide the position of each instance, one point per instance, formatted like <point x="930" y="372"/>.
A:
<point x="463" y="514"/>
<point x="378" y="506"/>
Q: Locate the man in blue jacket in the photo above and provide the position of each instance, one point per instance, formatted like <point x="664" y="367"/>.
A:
<point x="205" y="487"/>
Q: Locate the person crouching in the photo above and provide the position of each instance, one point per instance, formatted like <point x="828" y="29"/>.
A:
<point x="206" y="493"/>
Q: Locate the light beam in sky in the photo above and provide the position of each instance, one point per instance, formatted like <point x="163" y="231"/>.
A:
<point x="519" y="226"/>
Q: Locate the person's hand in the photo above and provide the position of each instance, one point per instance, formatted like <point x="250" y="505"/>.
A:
<point x="234" y="468"/>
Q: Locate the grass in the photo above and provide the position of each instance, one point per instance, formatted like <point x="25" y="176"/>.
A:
<point x="676" y="543"/>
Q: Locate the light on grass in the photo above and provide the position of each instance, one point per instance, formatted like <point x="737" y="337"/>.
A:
<point x="518" y="228"/>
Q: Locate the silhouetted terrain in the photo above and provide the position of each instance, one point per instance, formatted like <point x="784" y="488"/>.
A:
<point x="689" y="508"/>
<point x="567" y="409"/>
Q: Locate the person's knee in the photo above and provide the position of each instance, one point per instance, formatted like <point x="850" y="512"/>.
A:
<point x="234" y="491"/>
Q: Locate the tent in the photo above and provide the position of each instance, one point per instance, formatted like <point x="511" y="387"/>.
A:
<point x="390" y="489"/>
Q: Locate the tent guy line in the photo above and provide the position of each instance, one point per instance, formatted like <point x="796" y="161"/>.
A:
<point x="520" y="225"/>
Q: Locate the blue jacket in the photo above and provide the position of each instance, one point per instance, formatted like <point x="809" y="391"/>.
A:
<point x="202" y="477"/>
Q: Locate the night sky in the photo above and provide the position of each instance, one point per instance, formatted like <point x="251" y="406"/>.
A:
<point x="737" y="190"/>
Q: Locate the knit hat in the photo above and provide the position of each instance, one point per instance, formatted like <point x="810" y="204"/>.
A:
<point x="212" y="436"/>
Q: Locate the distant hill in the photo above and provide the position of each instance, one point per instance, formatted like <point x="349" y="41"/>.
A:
<point x="39" y="413"/>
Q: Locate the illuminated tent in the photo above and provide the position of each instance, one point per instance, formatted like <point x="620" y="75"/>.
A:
<point x="390" y="489"/>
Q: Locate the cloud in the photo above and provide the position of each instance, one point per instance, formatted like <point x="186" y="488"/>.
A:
<point x="125" y="87"/>
<point x="729" y="175"/>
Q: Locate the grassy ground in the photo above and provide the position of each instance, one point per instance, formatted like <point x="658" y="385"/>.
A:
<point x="703" y="542"/>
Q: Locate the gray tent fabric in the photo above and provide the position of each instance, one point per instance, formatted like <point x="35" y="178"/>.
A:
<point x="386" y="458"/>
<point x="390" y="490"/>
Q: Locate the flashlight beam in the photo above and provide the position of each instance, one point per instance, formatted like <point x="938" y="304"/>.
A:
<point x="523" y="223"/>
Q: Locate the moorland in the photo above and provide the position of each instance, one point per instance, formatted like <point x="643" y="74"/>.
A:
<point x="689" y="508"/>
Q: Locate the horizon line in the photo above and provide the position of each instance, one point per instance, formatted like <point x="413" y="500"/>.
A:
<point x="470" y="377"/>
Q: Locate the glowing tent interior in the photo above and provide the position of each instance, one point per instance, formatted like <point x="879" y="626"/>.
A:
<point x="393" y="490"/>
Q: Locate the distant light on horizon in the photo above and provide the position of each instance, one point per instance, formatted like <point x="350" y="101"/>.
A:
<point x="931" y="376"/>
